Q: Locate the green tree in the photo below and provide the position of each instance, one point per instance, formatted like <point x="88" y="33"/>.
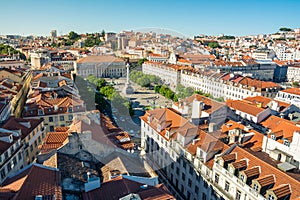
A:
<point x="101" y="83"/>
<point x="175" y="98"/>
<point x="103" y="33"/>
<point x="73" y="36"/>
<point x="213" y="45"/>
<point x="157" y="88"/>
<point x="6" y="49"/>
<point x="183" y="92"/>
<point x="108" y="91"/>
<point x="141" y="61"/>
<point x="285" y="29"/>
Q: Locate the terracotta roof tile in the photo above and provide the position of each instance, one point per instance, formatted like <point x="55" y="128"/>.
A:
<point x="282" y="190"/>
<point x="34" y="180"/>
<point x="120" y="187"/>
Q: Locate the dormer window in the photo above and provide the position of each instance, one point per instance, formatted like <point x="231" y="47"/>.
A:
<point x="271" y="197"/>
<point x="273" y="136"/>
<point x="70" y="109"/>
<point x="40" y="112"/>
<point x="286" y="142"/>
<point x="255" y="187"/>
<point x="242" y="177"/>
<point x="60" y="109"/>
<point x="149" y="119"/>
<point x="49" y="109"/>
<point x="167" y="134"/>
<point x="158" y="127"/>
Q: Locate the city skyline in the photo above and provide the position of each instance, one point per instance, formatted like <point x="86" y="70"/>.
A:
<point x="229" y="18"/>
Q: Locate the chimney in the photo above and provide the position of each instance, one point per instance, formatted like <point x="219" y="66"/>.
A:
<point x="212" y="127"/>
<point x="195" y="140"/>
<point x="92" y="182"/>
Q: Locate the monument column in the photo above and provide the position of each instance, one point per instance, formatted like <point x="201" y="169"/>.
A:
<point x="128" y="89"/>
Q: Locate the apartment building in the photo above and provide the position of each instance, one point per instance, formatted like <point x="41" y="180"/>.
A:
<point x="201" y="110"/>
<point x="293" y="73"/>
<point x="244" y="110"/>
<point x="57" y="107"/>
<point x="5" y="107"/>
<point x="197" y="165"/>
<point x="15" y="82"/>
<point x="11" y="156"/>
<point x="12" y="64"/>
<point x="228" y="86"/>
<point x="32" y="133"/>
<point x="169" y="73"/>
<point x="100" y="66"/>
<point x="238" y="174"/>
<point x="19" y="140"/>
<point x="180" y="152"/>
<point x="282" y="141"/>
<point x="290" y="95"/>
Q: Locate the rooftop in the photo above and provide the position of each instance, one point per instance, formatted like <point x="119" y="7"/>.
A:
<point x="99" y="59"/>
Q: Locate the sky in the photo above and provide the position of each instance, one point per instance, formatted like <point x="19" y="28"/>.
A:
<point x="188" y="18"/>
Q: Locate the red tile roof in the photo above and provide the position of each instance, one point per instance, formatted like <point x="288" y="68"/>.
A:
<point x="244" y="107"/>
<point x="95" y="59"/>
<point x="32" y="181"/>
<point x="295" y="91"/>
<point x="120" y="187"/>
<point x="25" y="125"/>
<point x="268" y="173"/>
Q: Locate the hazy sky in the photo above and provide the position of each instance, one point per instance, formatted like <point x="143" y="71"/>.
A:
<point x="190" y="17"/>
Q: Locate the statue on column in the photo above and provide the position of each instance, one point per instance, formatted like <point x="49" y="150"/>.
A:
<point x="128" y="89"/>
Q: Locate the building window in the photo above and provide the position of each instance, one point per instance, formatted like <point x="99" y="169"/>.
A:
<point x="62" y="118"/>
<point x="172" y="165"/>
<point x="205" y="184"/>
<point x="271" y="197"/>
<point x="203" y="196"/>
<point x="188" y="195"/>
<point x="238" y="195"/>
<point x="177" y="170"/>
<point x="226" y="186"/>
<point x="196" y="189"/>
<point x="15" y="160"/>
<point x="242" y="177"/>
<point x="183" y="164"/>
<point x="216" y="178"/>
<point x="51" y="128"/>
<point x="197" y="178"/>
<point x="189" y="182"/>
<point x="8" y="167"/>
<point x="31" y="148"/>
<point x="286" y="143"/>
<point x="2" y="173"/>
<point x="5" y="155"/>
<point x="70" y="117"/>
<point x="35" y="143"/>
<point x="255" y="187"/>
<point x="183" y="176"/>
<point x="191" y="170"/>
<point x="50" y="119"/>
<point x="20" y="156"/>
